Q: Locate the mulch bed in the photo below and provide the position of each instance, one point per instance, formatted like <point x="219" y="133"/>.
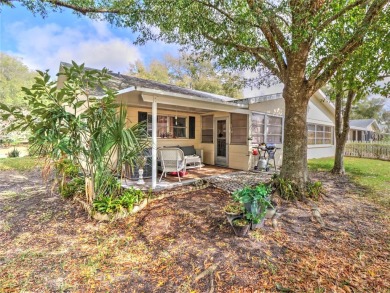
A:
<point x="184" y="244"/>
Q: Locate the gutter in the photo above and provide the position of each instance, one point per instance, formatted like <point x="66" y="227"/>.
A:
<point x="189" y="97"/>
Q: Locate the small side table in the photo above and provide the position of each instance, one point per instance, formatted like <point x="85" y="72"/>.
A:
<point x="193" y="162"/>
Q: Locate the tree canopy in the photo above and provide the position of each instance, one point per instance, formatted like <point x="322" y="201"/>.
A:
<point x="369" y="108"/>
<point x="13" y="76"/>
<point x="359" y="77"/>
<point x="189" y="72"/>
<point x="244" y="34"/>
<point x="300" y="42"/>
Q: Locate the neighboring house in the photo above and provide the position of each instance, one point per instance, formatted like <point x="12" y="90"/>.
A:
<point x="226" y="129"/>
<point x="364" y="130"/>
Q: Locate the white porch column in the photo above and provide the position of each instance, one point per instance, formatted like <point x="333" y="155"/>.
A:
<point x="154" y="143"/>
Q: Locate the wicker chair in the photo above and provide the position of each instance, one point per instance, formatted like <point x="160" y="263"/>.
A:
<point x="172" y="160"/>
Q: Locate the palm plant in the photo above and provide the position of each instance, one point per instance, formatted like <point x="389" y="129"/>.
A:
<point x="71" y="123"/>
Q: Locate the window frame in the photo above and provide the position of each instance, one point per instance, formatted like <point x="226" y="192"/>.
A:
<point x="266" y="126"/>
<point x="320" y="139"/>
<point x="168" y="126"/>
<point x="211" y="117"/>
<point x="232" y="128"/>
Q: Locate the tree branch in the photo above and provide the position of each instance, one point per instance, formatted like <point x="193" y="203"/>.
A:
<point x="254" y="51"/>
<point x="320" y="75"/>
<point x="84" y="10"/>
<point x="222" y="12"/>
<point x="269" y="29"/>
<point x="334" y="17"/>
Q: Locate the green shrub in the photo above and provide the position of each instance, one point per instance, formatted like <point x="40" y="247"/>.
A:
<point x="108" y="204"/>
<point x="249" y="194"/>
<point x="290" y="191"/>
<point x="287" y="189"/>
<point x="138" y="195"/>
<point x="73" y="187"/>
<point x="67" y="168"/>
<point x="315" y="189"/>
<point x="14" y="153"/>
<point x="258" y="200"/>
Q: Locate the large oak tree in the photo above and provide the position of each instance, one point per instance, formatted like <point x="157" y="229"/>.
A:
<point x="301" y="42"/>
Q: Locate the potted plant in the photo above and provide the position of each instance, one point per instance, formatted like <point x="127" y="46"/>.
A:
<point x="233" y="210"/>
<point x="241" y="226"/>
<point x="256" y="201"/>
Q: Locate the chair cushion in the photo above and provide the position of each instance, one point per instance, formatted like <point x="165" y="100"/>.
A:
<point x="188" y="150"/>
<point x="181" y="173"/>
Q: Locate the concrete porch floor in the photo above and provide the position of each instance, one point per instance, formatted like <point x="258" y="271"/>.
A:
<point x="171" y="181"/>
<point x="224" y="178"/>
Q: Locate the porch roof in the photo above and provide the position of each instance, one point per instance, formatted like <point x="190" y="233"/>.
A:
<point x="363" y="124"/>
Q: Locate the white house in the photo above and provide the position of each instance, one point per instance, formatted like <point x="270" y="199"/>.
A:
<point x="363" y="130"/>
<point x="225" y="129"/>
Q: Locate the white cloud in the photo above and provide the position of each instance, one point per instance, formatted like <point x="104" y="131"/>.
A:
<point x="44" y="47"/>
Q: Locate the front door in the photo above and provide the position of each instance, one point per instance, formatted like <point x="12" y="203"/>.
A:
<point x="221" y="151"/>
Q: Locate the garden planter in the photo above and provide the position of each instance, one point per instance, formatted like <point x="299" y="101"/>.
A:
<point x="258" y="225"/>
<point x="240" y="231"/>
<point x="231" y="216"/>
<point x="253" y="208"/>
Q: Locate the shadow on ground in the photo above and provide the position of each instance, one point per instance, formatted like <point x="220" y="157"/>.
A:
<point x="49" y="244"/>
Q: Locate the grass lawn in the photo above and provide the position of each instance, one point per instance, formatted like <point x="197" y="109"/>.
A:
<point x="19" y="164"/>
<point x="372" y="175"/>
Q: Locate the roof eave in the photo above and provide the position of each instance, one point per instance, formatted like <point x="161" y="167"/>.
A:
<point x="189" y="97"/>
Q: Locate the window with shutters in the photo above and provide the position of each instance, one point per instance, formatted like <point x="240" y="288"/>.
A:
<point x="169" y="126"/>
<point x="239" y="129"/>
<point x="207" y="129"/>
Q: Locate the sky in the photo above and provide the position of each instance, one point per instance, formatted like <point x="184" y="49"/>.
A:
<point x="43" y="43"/>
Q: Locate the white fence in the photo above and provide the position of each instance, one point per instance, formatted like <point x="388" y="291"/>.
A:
<point x="368" y="150"/>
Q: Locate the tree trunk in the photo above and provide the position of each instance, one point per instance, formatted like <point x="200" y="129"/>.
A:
<point x="294" y="167"/>
<point x="338" y="166"/>
<point x="342" y="129"/>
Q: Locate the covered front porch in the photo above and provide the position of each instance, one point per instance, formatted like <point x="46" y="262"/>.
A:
<point x="177" y="120"/>
<point x="223" y="178"/>
<point x="172" y="181"/>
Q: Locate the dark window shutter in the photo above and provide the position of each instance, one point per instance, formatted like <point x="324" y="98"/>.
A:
<point x="142" y="116"/>
<point x="191" y="128"/>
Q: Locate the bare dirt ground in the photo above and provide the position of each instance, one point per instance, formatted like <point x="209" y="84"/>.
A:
<point x="184" y="244"/>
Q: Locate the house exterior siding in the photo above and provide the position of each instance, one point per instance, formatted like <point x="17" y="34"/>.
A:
<point x="240" y="156"/>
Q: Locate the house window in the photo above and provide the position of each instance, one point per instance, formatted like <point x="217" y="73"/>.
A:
<point x="239" y="129"/>
<point x="319" y="134"/>
<point x="274" y="129"/>
<point x="207" y="129"/>
<point x="169" y="126"/>
<point x="266" y="128"/>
